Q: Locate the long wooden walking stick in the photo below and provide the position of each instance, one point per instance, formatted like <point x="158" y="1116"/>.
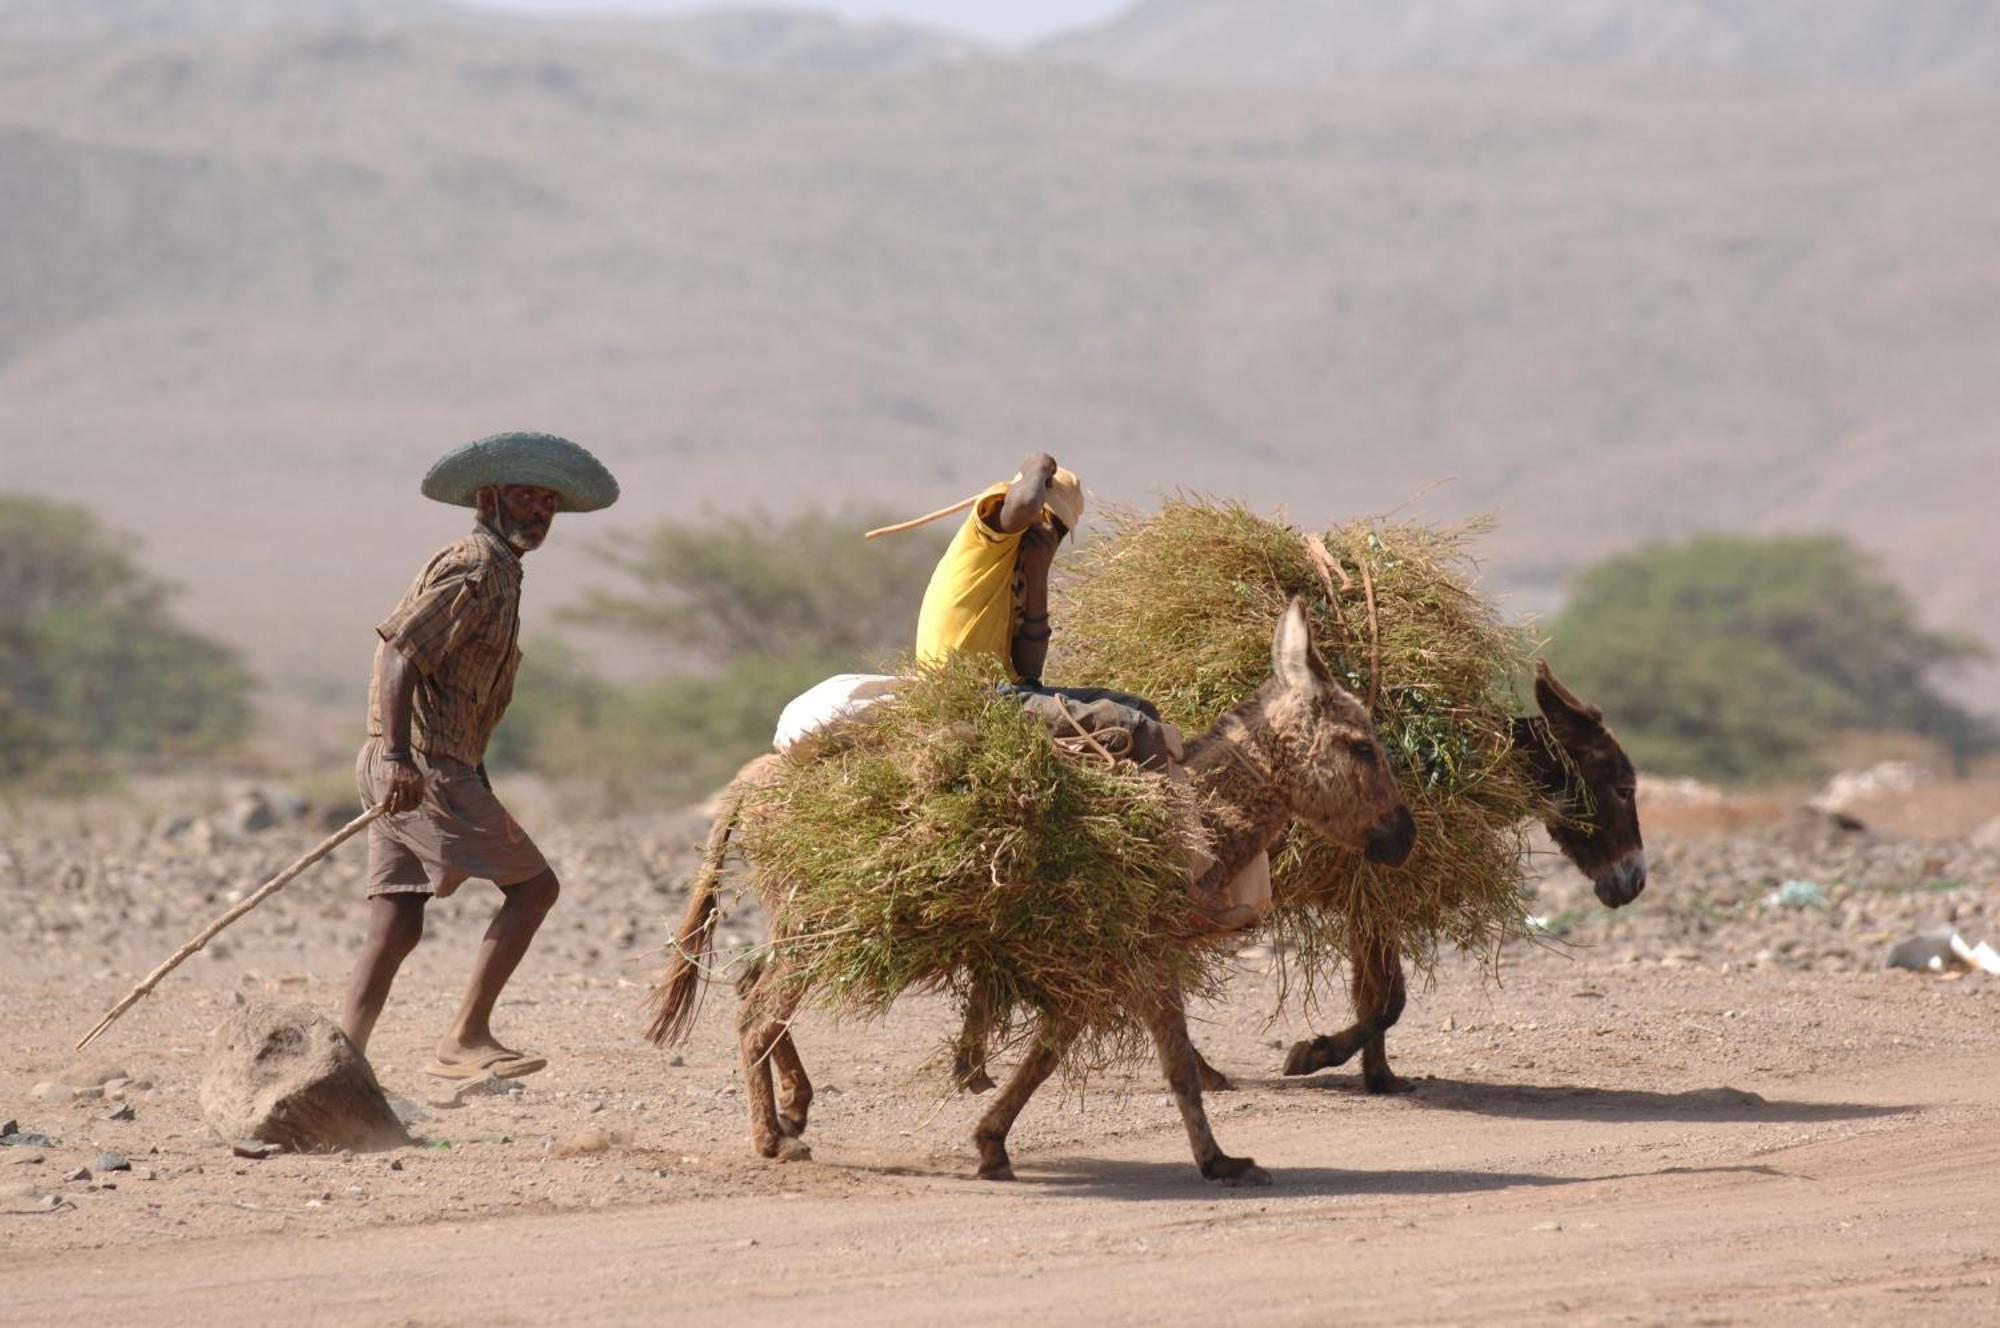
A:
<point x="209" y="933"/>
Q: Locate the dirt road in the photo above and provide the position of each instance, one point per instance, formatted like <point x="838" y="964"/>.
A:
<point x="1709" y="1110"/>
<point x="1744" y="1154"/>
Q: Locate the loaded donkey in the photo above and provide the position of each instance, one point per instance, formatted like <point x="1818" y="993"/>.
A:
<point x="1301" y="747"/>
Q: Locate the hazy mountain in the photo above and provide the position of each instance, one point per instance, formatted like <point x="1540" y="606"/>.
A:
<point x="784" y="39"/>
<point x="1871" y="43"/>
<point x="250" y="287"/>
<point x="126" y="21"/>
<point x="767" y="39"/>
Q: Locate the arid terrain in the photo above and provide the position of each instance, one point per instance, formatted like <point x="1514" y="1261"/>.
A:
<point x="264" y="262"/>
<point x="1708" y="1109"/>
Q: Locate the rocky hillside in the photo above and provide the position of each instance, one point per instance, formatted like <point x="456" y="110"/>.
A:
<point x="1940" y="44"/>
<point x="765" y="39"/>
<point x="254" y="281"/>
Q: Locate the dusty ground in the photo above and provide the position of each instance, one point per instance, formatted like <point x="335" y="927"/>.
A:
<point x="1706" y="1110"/>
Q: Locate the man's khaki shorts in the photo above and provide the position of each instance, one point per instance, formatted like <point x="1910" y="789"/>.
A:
<point x="457" y="832"/>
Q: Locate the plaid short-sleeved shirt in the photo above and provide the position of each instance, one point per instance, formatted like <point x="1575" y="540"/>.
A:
<point x="460" y="624"/>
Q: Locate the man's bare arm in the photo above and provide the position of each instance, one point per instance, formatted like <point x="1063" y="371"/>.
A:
<point x="1023" y="505"/>
<point x="1030" y="647"/>
<point x="396" y="683"/>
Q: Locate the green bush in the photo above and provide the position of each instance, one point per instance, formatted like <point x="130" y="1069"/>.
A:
<point x="727" y="587"/>
<point x="1743" y="657"/>
<point x="92" y="664"/>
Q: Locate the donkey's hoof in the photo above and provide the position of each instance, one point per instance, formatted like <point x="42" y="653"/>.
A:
<point x="1388" y="1083"/>
<point x="1214" y="1080"/>
<point x="793" y="1150"/>
<point x="977" y="1081"/>
<point x="1303" y="1058"/>
<point x="1236" y="1171"/>
<point x="1001" y="1170"/>
<point x="791" y="1126"/>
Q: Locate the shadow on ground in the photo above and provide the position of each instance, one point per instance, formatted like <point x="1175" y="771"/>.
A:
<point x="1100" y="1178"/>
<point x="1577" y="1102"/>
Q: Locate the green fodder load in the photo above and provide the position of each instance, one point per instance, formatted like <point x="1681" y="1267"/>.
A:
<point x="944" y="842"/>
<point x="1178" y="606"/>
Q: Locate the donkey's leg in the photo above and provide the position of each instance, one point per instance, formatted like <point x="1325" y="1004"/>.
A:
<point x="1376" y="970"/>
<point x="968" y="1065"/>
<point x="757" y="1035"/>
<point x="1385" y="995"/>
<point x="795" y="1090"/>
<point x="1178" y="1061"/>
<point x="1045" y="1052"/>
<point x="1212" y="1079"/>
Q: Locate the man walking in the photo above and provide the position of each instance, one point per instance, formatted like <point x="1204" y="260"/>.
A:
<point x="444" y="673"/>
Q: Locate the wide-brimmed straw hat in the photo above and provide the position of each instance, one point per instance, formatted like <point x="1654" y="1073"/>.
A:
<point x="1061" y="499"/>
<point x="540" y="459"/>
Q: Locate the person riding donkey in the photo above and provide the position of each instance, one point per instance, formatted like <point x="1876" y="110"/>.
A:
<point x="990" y="596"/>
<point x="443" y="676"/>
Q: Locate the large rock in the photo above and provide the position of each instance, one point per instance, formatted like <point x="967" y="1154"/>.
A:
<point x="286" y="1075"/>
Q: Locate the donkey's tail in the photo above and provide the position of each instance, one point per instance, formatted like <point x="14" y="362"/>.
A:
<point x="676" y="999"/>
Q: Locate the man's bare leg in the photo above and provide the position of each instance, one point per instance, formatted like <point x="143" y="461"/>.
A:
<point x="395" y="925"/>
<point x="507" y="940"/>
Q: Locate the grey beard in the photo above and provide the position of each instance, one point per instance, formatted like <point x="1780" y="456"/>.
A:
<point x="515" y="533"/>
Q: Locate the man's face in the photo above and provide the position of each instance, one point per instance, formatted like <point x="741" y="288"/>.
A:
<point x="523" y="513"/>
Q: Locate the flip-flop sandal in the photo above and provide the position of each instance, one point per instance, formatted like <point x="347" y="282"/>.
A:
<point x="499" y="1064"/>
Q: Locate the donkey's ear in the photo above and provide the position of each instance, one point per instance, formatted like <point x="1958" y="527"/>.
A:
<point x="1293" y="657"/>
<point x="1560" y="706"/>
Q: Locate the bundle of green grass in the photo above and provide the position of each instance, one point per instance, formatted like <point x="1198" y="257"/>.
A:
<point x="1177" y="606"/>
<point x="944" y="842"/>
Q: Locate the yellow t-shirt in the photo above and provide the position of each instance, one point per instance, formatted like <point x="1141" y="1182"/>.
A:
<point x="970" y="602"/>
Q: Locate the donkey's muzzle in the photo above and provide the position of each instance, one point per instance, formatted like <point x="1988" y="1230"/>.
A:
<point x="1622" y="882"/>
<point x="1391" y="840"/>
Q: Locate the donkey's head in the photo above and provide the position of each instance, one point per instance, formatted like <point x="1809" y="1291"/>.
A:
<point x="1332" y="771"/>
<point x="1575" y="761"/>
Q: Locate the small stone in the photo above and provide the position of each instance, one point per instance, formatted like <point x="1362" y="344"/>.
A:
<point x="21" y="1190"/>
<point x="395" y="1164"/>
<point x="81" y="1173"/>
<point x="1547" y="1226"/>
<point x="678" y="1061"/>
<point x="589" y="1142"/>
<point x="52" y="1092"/>
<point x="51" y="1202"/>
<point x="146" y="1173"/>
<point x="255" y="1150"/>
<point x="112" y="1162"/>
<point x="9" y="1127"/>
<point x="250" y="814"/>
<point x="122" y="1112"/>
